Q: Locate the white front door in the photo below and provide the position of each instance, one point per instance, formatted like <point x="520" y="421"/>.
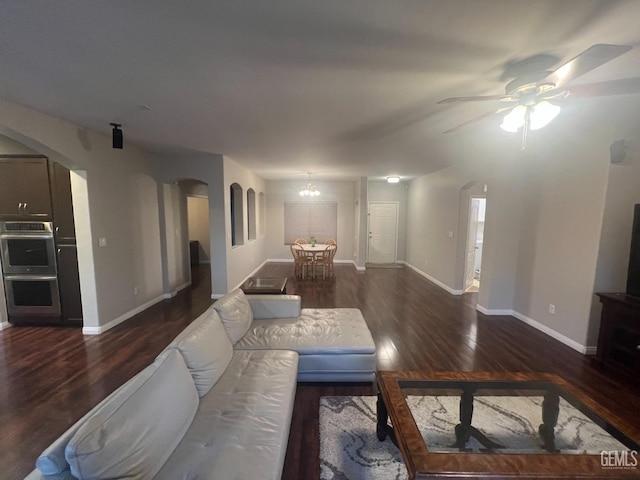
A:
<point x="383" y="231"/>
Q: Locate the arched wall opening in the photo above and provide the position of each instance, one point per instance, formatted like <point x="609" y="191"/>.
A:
<point x="472" y="189"/>
<point x="13" y="143"/>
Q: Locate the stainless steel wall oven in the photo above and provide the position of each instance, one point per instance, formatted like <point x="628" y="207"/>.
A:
<point x="29" y="270"/>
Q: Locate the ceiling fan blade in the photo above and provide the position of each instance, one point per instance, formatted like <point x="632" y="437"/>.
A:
<point x="623" y="86"/>
<point x="478" y="118"/>
<point x="477" y="98"/>
<point x="591" y="58"/>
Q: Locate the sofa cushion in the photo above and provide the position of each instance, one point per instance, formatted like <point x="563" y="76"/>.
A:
<point x="235" y="313"/>
<point x="315" y="331"/>
<point x="241" y="428"/>
<point x="206" y="349"/>
<point x="274" y="306"/>
<point x="135" y="431"/>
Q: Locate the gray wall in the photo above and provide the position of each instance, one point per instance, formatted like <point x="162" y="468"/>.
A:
<point x="342" y="192"/>
<point x="558" y="219"/>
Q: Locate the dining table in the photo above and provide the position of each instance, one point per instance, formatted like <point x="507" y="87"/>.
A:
<point x="314" y="250"/>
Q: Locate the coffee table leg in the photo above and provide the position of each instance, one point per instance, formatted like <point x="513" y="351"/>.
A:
<point x="464" y="430"/>
<point x="550" y="410"/>
<point x="383" y="428"/>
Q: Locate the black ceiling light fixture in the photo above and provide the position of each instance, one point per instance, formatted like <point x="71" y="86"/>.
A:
<point x="116" y="136"/>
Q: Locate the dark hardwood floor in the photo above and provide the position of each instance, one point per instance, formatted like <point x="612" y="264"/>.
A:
<point x="50" y="377"/>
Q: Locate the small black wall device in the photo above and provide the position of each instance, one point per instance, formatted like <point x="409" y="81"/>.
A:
<point x="116" y="136"/>
<point x="633" y="277"/>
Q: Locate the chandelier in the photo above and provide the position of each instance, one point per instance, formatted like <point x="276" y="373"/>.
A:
<point x="309" y="190"/>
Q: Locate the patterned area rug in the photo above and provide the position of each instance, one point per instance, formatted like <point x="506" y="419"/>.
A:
<point x="350" y="450"/>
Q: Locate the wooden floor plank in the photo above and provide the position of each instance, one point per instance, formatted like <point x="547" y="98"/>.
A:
<point x="50" y="377"/>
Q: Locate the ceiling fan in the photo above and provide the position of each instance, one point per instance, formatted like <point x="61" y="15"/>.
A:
<point x="528" y="96"/>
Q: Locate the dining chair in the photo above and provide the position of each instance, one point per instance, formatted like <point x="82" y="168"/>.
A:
<point x="325" y="261"/>
<point x="331" y="241"/>
<point x="301" y="261"/>
<point x="300" y="241"/>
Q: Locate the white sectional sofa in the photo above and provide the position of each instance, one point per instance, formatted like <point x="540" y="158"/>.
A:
<point x="217" y="402"/>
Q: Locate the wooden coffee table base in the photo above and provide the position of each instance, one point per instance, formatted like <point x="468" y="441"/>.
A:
<point x="491" y="463"/>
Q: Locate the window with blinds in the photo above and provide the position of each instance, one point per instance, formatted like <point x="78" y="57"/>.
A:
<point x="307" y="219"/>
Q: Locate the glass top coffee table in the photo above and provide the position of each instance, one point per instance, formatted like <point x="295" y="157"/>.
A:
<point x="263" y="285"/>
<point x="501" y="425"/>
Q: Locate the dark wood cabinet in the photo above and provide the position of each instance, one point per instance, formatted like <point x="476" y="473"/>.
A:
<point x="64" y="230"/>
<point x="24" y="188"/>
<point x="619" y="339"/>
<point x="69" y="285"/>
<point x="65" y="238"/>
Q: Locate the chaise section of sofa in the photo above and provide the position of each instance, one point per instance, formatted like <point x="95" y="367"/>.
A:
<point x="333" y="344"/>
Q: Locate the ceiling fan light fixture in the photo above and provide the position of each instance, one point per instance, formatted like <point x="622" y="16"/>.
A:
<point x="542" y="114"/>
<point x="513" y="120"/>
<point x="309" y="190"/>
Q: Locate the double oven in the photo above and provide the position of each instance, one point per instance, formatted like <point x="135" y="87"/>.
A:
<point x="29" y="270"/>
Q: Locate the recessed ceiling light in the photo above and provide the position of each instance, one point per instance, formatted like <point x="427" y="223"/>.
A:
<point x="393" y="179"/>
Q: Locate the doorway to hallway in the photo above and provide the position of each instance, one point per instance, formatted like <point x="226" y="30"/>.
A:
<point x="475" y="235"/>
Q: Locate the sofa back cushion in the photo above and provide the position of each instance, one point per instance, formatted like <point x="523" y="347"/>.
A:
<point x="135" y="431"/>
<point x="235" y="313"/>
<point x="206" y="349"/>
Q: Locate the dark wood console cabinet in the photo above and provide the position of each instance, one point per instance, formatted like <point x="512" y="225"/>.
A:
<point x="619" y="339"/>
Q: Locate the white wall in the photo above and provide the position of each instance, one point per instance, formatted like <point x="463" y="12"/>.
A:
<point x="436" y="233"/>
<point x="122" y="201"/>
<point x="206" y="168"/>
<point x="246" y="258"/>
<point x="177" y="275"/>
<point x="198" y="211"/>
<point x="623" y="192"/>
<point x="344" y="193"/>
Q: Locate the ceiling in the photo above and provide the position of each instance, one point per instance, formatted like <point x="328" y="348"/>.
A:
<point x="342" y="88"/>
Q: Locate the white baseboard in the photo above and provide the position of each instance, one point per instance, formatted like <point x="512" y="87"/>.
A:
<point x="434" y="280"/>
<point x="174" y="292"/>
<point x="585" y="350"/>
<point x="4" y="325"/>
<point x="496" y="311"/>
<point x="245" y="278"/>
<point x="121" y="318"/>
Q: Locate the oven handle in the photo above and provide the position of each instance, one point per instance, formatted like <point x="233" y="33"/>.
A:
<point x="28" y="236"/>
<point x="20" y="277"/>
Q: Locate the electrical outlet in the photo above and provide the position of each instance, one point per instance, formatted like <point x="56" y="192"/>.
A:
<point x="135" y="290"/>
<point x="552" y="309"/>
<point x="102" y="242"/>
